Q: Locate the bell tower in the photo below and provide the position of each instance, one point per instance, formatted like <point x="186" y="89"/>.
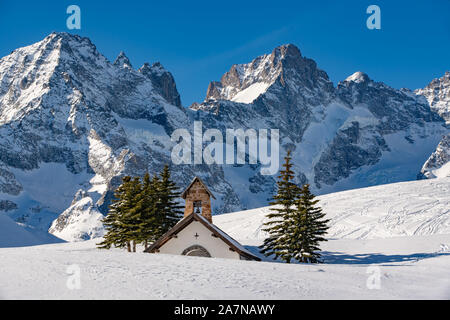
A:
<point x="198" y="199"/>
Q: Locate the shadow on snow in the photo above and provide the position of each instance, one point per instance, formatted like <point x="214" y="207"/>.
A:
<point x="329" y="257"/>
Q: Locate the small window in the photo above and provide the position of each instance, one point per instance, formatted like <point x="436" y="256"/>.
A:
<point x="196" y="251"/>
<point x="198" y="207"/>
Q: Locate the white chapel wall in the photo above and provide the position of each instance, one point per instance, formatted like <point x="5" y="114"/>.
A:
<point x="215" y="246"/>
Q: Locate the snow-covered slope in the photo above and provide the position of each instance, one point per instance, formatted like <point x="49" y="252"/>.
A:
<point x="400" y="232"/>
<point x="393" y="210"/>
<point x="13" y="234"/>
<point x="81" y="221"/>
<point x="409" y="268"/>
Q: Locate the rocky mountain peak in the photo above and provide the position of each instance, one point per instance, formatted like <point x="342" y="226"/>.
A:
<point x="245" y="82"/>
<point x="358" y="77"/>
<point x="123" y="61"/>
<point x="287" y="51"/>
<point x="162" y="81"/>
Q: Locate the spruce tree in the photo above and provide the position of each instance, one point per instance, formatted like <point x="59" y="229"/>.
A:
<point x="149" y="201"/>
<point x="277" y="226"/>
<point x="308" y="227"/>
<point x="169" y="207"/>
<point x="141" y="211"/>
<point x="115" y="235"/>
<point x="132" y="217"/>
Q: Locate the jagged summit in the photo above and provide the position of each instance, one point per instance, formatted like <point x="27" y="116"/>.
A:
<point x="123" y="61"/>
<point x="246" y="82"/>
<point x="358" y="77"/>
<point x="163" y="81"/>
<point x="155" y="67"/>
<point x="286" y="51"/>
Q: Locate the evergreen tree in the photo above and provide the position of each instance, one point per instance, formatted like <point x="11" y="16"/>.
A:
<point x="277" y="226"/>
<point x="131" y="220"/>
<point x="149" y="201"/>
<point x="308" y="228"/>
<point x="296" y="225"/>
<point x="115" y="235"/>
<point x="169" y="207"/>
<point x="141" y="211"/>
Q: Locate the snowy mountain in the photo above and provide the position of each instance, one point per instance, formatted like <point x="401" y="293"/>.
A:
<point x="81" y="221"/>
<point x="72" y="124"/>
<point x="70" y="120"/>
<point x="357" y="134"/>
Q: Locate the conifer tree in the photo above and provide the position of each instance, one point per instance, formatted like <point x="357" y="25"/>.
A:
<point x="115" y="235"/>
<point x="308" y="227"/>
<point x="169" y="207"/>
<point x="149" y="202"/>
<point x="296" y="225"/>
<point x="132" y="217"/>
<point x="277" y="226"/>
<point x="141" y="211"/>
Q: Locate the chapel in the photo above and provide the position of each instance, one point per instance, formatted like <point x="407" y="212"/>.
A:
<point x="195" y="234"/>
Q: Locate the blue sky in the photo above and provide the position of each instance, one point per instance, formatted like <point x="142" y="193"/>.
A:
<point x="199" y="40"/>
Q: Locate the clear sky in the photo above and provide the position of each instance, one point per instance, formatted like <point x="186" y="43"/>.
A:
<point x="199" y="40"/>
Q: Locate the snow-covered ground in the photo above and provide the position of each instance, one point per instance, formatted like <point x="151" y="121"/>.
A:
<point x="408" y="268"/>
<point x="392" y="210"/>
<point x="386" y="242"/>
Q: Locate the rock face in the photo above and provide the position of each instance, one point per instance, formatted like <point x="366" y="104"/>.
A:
<point x="81" y="221"/>
<point x="162" y="81"/>
<point x="438" y="95"/>
<point x="122" y="61"/>
<point x="72" y="124"/>
<point x="438" y="165"/>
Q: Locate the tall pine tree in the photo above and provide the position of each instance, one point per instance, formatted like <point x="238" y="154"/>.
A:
<point x="132" y="217"/>
<point x="142" y="211"/>
<point x="308" y="227"/>
<point x="169" y="207"/>
<point x="149" y="201"/>
<point x="296" y="225"/>
<point x="113" y="222"/>
<point x="277" y="226"/>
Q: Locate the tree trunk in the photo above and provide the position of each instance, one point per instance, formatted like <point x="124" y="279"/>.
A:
<point x="128" y="246"/>
<point x="146" y="244"/>
<point x="134" y="246"/>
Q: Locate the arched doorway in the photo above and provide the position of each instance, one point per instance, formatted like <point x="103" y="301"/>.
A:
<point x="196" y="251"/>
